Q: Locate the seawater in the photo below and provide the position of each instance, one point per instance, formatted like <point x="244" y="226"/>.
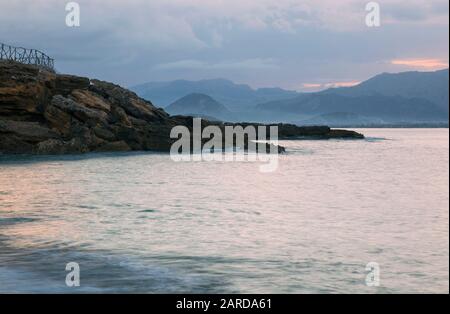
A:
<point x="142" y="223"/>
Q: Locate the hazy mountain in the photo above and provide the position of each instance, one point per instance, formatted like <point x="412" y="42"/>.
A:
<point x="403" y="97"/>
<point x="237" y="97"/>
<point x="432" y="86"/>
<point x="200" y="105"/>
<point x="389" y="108"/>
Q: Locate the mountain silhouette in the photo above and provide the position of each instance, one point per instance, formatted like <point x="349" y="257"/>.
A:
<point x="237" y="97"/>
<point x="199" y="105"/>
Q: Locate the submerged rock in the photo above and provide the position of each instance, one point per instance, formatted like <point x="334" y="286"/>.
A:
<point x="47" y="113"/>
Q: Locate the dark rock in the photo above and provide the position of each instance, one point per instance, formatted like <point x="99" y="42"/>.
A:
<point x="128" y="101"/>
<point x="65" y="84"/>
<point x="289" y="131"/>
<point x="344" y="134"/>
<point x="27" y="131"/>
<point x="77" y="110"/>
<point x="104" y="134"/>
<point x="119" y="115"/>
<point x="119" y="146"/>
<point x="58" y="120"/>
<point x="24" y="89"/>
<point x="13" y="144"/>
<point x="48" y="113"/>
<point x="57" y="146"/>
<point x="90" y="100"/>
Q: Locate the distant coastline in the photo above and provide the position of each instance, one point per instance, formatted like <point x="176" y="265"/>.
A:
<point x="394" y="126"/>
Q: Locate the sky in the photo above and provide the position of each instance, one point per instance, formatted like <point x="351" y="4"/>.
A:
<point x="303" y="45"/>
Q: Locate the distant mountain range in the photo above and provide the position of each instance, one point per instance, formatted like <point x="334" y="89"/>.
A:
<point x="431" y="86"/>
<point x="404" y="97"/>
<point x="200" y="105"/>
<point x="387" y="108"/>
<point x="237" y="97"/>
<point x="408" y="97"/>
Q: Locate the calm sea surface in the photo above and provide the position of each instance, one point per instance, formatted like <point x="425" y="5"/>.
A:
<point x="143" y="223"/>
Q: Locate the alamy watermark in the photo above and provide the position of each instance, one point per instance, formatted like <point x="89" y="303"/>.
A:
<point x="373" y="277"/>
<point x="373" y="17"/>
<point x="226" y="143"/>
<point x="73" y="277"/>
<point x="73" y="17"/>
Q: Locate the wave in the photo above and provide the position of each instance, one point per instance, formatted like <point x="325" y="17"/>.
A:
<point x="43" y="270"/>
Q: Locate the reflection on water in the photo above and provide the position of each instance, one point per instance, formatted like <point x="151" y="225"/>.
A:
<point x="142" y="223"/>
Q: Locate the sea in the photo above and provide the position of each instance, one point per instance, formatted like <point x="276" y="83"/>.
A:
<point x="335" y="216"/>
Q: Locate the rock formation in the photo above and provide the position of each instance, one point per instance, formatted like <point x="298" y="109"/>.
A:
<point x="46" y="113"/>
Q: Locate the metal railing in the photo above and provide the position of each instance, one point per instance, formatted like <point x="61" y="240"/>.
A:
<point x="26" y="56"/>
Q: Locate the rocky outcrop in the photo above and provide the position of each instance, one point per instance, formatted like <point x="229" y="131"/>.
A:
<point x="43" y="112"/>
<point x="46" y="113"/>
<point x="289" y="131"/>
<point x="293" y="132"/>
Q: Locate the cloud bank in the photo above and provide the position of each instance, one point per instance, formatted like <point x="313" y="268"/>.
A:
<point x="286" y="43"/>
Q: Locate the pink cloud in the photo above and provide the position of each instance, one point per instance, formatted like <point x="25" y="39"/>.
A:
<point x="342" y="84"/>
<point x="313" y="87"/>
<point x="421" y="63"/>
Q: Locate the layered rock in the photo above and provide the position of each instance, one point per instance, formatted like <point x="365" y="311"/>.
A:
<point x="46" y="113"/>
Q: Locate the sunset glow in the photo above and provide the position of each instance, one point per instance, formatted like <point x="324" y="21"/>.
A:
<point x="421" y="63"/>
<point x="321" y="86"/>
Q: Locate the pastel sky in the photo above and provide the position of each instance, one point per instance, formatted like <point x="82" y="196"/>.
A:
<point x="297" y="44"/>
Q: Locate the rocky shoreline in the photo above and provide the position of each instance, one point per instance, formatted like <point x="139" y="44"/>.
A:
<point x="42" y="113"/>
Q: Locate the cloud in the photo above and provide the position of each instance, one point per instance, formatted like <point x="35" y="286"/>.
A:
<point x="252" y="64"/>
<point x="416" y="11"/>
<point x="294" y="41"/>
<point x="312" y="85"/>
<point x="343" y="84"/>
<point x="321" y="86"/>
<point x="165" y="25"/>
<point x="421" y="63"/>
